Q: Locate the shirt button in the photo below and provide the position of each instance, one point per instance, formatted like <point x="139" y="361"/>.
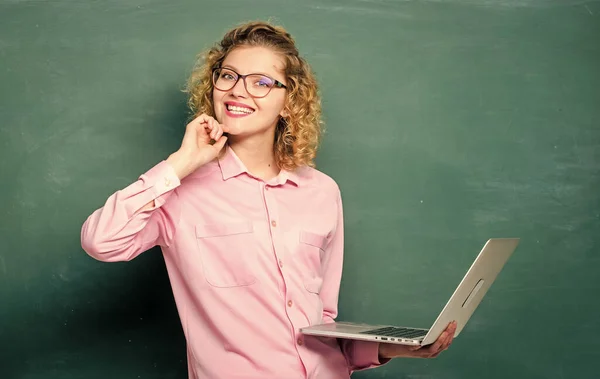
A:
<point x="274" y="223"/>
<point x="167" y="182"/>
<point x="290" y="303"/>
<point x="300" y="342"/>
<point x="280" y="263"/>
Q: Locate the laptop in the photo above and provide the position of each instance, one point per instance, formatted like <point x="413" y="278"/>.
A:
<point x="459" y="308"/>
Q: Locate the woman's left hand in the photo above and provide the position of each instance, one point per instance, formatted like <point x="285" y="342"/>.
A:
<point x="390" y="350"/>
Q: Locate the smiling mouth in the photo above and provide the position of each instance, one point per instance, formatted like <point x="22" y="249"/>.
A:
<point x="239" y="110"/>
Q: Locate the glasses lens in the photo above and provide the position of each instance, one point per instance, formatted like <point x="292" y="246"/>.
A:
<point x="224" y="79"/>
<point x="259" y="85"/>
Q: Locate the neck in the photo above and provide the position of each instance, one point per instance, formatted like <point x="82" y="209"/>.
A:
<point x="257" y="155"/>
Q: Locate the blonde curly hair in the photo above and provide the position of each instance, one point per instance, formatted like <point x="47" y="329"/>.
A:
<point x="297" y="135"/>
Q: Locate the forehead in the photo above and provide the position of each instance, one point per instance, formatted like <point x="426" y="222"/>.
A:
<point x="255" y="59"/>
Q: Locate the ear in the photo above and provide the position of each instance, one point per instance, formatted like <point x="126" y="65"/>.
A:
<point x="284" y="113"/>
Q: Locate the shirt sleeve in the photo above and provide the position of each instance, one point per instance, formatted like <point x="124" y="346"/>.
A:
<point x="121" y="230"/>
<point x="360" y="355"/>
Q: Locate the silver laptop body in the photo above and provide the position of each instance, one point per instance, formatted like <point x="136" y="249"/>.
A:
<point x="459" y="308"/>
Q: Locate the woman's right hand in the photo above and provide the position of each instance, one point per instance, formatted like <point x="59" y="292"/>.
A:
<point x="196" y="148"/>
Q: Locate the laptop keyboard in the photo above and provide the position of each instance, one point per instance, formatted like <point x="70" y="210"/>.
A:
<point x="391" y="331"/>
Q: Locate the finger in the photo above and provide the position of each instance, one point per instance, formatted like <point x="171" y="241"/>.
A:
<point x="212" y="128"/>
<point x="202" y="129"/>
<point x="447" y="335"/>
<point x="450" y="336"/>
<point x="220" y="143"/>
<point x="445" y="344"/>
<point x="438" y="343"/>
<point x="449" y="342"/>
<point x="205" y="126"/>
<point x="421" y="354"/>
<point x="453" y="332"/>
<point x="218" y="134"/>
<point x="216" y="130"/>
<point x="430" y="354"/>
<point x="202" y="119"/>
<point x="450" y="326"/>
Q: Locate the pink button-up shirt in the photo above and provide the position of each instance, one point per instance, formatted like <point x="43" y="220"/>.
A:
<point x="250" y="263"/>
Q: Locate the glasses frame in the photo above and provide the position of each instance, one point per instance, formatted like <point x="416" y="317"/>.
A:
<point x="277" y="83"/>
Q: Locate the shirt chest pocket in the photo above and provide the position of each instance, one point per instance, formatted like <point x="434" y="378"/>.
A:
<point x="311" y="251"/>
<point x="227" y="253"/>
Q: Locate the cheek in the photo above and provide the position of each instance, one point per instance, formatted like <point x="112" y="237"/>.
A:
<point x="217" y="105"/>
<point x="215" y="97"/>
<point x="273" y="107"/>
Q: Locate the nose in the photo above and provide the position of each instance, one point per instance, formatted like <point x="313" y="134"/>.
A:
<point x="239" y="89"/>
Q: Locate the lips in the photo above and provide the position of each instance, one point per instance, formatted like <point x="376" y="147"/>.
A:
<point x="238" y="109"/>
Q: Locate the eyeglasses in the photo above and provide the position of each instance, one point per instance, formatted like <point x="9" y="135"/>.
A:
<point x="259" y="86"/>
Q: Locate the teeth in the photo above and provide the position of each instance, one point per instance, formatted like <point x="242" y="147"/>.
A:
<point x="234" y="109"/>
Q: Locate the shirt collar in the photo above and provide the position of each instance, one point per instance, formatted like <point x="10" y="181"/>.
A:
<point x="231" y="166"/>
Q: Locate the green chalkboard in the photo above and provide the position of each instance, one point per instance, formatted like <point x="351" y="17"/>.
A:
<point x="448" y="122"/>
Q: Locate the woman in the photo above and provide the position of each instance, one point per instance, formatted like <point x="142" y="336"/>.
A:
<point x="251" y="233"/>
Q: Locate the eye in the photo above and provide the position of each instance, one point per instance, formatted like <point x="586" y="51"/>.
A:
<point x="227" y="75"/>
<point x="263" y="81"/>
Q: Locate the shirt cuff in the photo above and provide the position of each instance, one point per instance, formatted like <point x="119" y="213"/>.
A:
<point x="161" y="179"/>
<point x="154" y="185"/>
<point x="164" y="177"/>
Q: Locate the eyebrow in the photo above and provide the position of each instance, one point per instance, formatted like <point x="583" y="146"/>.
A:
<point x="259" y="73"/>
